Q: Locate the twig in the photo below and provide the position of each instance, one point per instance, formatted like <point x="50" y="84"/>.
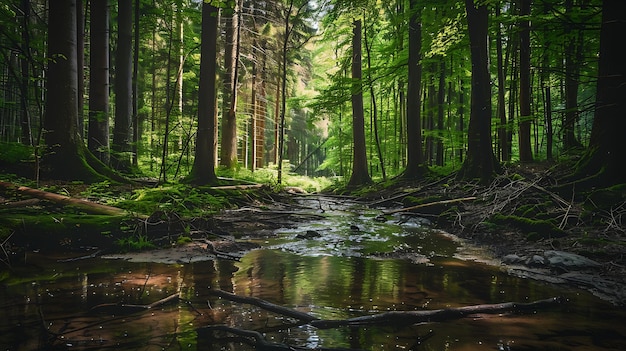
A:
<point x="442" y="202"/>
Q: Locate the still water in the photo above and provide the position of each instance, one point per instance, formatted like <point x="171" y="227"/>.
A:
<point x="344" y="272"/>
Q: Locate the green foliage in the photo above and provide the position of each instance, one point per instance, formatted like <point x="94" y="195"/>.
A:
<point x="15" y="152"/>
<point x="134" y="243"/>
<point x="182" y="199"/>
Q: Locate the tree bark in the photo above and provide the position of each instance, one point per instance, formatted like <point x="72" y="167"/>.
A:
<point x="228" y="151"/>
<point x="525" y="147"/>
<point x="123" y="87"/>
<point x="203" y="170"/>
<point x="64" y="157"/>
<point x="606" y="150"/>
<point x="360" y="174"/>
<point x="480" y="161"/>
<point x="414" y="163"/>
<point x="83" y="205"/>
<point x="98" y="133"/>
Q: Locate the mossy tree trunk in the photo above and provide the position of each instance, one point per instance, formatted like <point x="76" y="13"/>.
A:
<point x="65" y="156"/>
<point x="605" y="159"/>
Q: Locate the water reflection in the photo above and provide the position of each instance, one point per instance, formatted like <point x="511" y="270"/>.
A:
<point x="46" y="304"/>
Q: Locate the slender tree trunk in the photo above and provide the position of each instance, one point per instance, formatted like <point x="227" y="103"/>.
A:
<point x="122" y="135"/>
<point x="503" y="139"/>
<point x="571" y="82"/>
<point x="525" y="148"/>
<point x="374" y="108"/>
<point x="203" y="170"/>
<point x="441" y="100"/>
<point x="228" y="151"/>
<point x="135" y="89"/>
<point x="80" y="51"/>
<point x="414" y="165"/>
<point x="27" y="136"/>
<point x="360" y="175"/>
<point x="98" y="133"/>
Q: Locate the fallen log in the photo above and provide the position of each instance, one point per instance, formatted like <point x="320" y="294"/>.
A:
<point x="403" y="318"/>
<point x="83" y="205"/>
<point x="442" y="202"/>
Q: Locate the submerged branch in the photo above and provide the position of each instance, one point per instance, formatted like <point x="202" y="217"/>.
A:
<point x="400" y="318"/>
<point x="285" y="311"/>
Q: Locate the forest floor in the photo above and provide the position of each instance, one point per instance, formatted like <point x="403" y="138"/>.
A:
<point x="526" y="223"/>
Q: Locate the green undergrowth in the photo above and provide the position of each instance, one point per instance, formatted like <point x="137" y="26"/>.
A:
<point x="185" y="200"/>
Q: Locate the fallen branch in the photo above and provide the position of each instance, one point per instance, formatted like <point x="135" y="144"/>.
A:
<point x="119" y="308"/>
<point x="394" y="318"/>
<point x="238" y="187"/>
<point x="400" y="318"/>
<point x="442" y="202"/>
<point x="84" y="205"/>
<point x="268" y="306"/>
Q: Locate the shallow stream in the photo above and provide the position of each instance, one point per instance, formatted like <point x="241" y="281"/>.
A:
<point x="345" y="265"/>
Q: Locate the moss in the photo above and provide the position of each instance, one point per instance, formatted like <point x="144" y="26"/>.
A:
<point x="51" y="230"/>
<point x="543" y="228"/>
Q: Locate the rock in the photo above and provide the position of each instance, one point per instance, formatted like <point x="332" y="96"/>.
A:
<point x="569" y="261"/>
<point x="512" y="259"/>
<point x="536" y="261"/>
<point x="309" y="234"/>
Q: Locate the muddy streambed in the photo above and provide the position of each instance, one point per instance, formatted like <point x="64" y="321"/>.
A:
<point x="348" y="263"/>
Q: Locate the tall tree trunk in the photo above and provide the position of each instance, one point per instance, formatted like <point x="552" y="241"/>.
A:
<point x="123" y="87"/>
<point x="480" y="161"/>
<point x="360" y="175"/>
<point x="283" y="95"/>
<point x="228" y="151"/>
<point x="98" y="134"/>
<point x="203" y="170"/>
<point x="80" y="51"/>
<point x="571" y="81"/>
<point x="414" y="164"/>
<point x="606" y="155"/>
<point x="65" y="154"/>
<point x="525" y="146"/>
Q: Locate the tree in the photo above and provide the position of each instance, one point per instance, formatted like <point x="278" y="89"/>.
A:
<point x="360" y="174"/>
<point x="414" y="166"/>
<point x="98" y="133"/>
<point x="64" y="157"/>
<point x="203" y="171"/>
<point x="228" y="151"/>
<point x="122" y="136"/>
<point x="479" y="162"/>
<point x="604" y="162"/>
<point x="525" y="149"/>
